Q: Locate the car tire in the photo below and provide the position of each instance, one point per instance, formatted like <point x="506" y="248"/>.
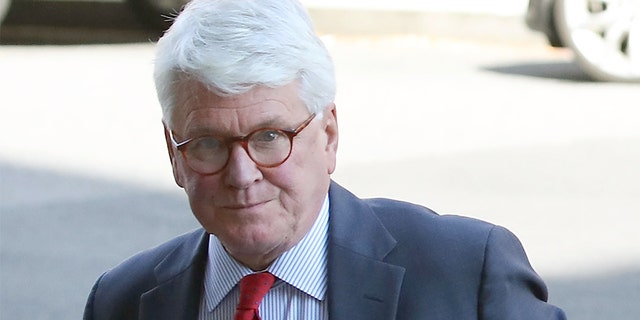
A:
<point x="157" y="14"/>
<point x="604" y="36"/>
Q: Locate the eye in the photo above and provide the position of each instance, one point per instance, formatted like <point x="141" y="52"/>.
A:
<point x="267" y="136"/>
<point x="267" y="141"/>
<point x="205" y="147"/>
<point x="206" y="143"/>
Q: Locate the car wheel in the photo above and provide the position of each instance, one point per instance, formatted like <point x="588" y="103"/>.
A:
<point x="157" y="13"/>
<point x="604" y="36"/>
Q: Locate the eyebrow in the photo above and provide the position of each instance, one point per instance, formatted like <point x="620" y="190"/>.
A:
<point x="201" y="131"/>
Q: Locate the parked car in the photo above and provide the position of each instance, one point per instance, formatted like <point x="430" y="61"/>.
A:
<point x="4" y="8"/>
<point x="151" y="12"/>
<point x="603" y="34"/>
<point x="154" y="12"/>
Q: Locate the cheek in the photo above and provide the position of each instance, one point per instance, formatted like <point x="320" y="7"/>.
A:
<point x="201" y="190"/>
<point x="189" y="180"/>
<point x="289" y="174"/>
<point x="299" y="177"/>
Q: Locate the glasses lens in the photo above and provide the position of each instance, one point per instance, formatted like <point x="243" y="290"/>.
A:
<point x="269" y="147"/>
<point x="207" y="154"/>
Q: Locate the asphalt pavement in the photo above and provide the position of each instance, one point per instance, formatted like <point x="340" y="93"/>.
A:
<point x="84" y="181"/>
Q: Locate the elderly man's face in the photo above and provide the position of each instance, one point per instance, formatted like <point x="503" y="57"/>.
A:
<point x="256" y="212"/>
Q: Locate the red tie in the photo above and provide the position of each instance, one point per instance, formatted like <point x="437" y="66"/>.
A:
<point x="252" y="289"/>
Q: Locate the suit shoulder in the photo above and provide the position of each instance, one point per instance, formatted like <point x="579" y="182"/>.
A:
<point x="395" y="214"/>
<point x="146" y="260"/>
<point x="118" y="290"/>
<point x="420" y="231"/>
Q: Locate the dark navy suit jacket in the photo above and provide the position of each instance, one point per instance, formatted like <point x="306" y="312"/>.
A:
<point x="387" y="260"/>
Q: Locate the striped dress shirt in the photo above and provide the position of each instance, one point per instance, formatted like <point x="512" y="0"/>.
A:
<point x="300" y="290"/>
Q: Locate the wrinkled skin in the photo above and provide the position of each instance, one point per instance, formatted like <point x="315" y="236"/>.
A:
<point x="257" y="213"/>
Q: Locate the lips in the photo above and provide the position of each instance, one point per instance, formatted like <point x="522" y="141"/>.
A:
<point x="243" y="206"/>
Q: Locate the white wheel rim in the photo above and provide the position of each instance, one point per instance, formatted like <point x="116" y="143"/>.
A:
<point x="606" y="35"/>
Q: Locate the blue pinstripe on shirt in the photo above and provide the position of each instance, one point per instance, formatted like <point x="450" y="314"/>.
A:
<point x="300" y="291"/>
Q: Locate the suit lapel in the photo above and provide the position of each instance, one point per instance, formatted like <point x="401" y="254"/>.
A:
<point x="361" y="284"/>
<point x="180" y="279"/>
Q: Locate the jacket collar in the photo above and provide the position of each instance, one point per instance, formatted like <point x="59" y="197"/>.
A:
<point x="180" y="278"/>
<point x="361" y="284"/>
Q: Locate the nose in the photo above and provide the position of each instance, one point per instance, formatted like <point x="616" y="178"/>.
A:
<point x="241" y="171"/>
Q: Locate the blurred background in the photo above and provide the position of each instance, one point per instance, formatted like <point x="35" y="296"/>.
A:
<point x="456" y="105"/>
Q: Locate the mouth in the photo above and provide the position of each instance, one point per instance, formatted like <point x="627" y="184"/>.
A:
<point x="244" y="206"/>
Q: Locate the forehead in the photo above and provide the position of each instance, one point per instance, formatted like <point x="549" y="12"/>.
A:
<point x="199" y="109"/>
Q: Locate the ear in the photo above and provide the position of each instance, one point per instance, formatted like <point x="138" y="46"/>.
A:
<point x="330" y="125"/>
<point x="172" y="156"/>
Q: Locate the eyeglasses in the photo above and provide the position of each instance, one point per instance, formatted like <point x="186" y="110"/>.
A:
<point x="267" y="147"/>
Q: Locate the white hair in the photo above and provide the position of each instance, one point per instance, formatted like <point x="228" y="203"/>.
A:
<point x="232" y="46"/>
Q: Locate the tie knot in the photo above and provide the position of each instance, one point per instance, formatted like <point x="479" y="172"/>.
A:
<point x="253" y="288"/>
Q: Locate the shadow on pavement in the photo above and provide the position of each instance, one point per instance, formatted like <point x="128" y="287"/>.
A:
<point x="60" y="231"/>
<point x="611" y="296"/>
<point x="561" y="70"/>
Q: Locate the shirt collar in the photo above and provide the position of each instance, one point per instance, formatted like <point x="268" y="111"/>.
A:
<point x="304" y="266"/>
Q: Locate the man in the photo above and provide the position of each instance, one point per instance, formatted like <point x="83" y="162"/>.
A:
<point x="247" y="93"/>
